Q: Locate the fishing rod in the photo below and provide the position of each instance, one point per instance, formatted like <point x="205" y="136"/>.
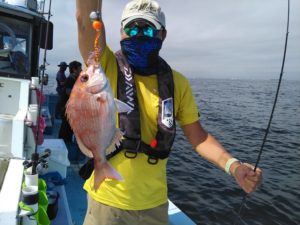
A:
<point x="35" y="155"/>
<point x="273" y="109"/>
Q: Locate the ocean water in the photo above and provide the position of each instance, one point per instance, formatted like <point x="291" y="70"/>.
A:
<point x="236" y="112"/>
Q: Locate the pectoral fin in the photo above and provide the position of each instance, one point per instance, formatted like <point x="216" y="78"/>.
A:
<point x="122" y="106"/>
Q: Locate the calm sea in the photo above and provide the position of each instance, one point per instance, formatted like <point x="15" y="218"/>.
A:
<point x="236" y="112"/>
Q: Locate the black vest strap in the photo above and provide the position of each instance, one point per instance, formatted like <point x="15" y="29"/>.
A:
<point x="129" y="123"/>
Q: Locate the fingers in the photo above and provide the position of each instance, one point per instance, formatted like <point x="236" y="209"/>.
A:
<point x="248" y="187"/>
<point x="251" y="185"/>
<point x="251" y="167"/>
<point x="247" y="178"/>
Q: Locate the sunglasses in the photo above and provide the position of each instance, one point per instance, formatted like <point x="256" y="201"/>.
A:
<point x="146" y="31"/>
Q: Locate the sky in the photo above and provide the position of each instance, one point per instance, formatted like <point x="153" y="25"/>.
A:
<point x="232" y="39"/>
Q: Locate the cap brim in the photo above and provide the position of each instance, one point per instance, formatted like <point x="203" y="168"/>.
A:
<point x="141" y="17"/>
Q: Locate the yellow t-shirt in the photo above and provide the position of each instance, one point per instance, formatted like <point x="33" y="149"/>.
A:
<point x="144" y="185"/>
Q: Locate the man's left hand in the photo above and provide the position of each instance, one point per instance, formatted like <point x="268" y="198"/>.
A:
<point x="247" y="179"/>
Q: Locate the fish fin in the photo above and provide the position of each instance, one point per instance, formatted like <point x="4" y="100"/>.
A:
<point x="103" y="172"/>
<point x="122" y="106"/>
<point x="115" y="142"/>
<point x="84" y="149"/>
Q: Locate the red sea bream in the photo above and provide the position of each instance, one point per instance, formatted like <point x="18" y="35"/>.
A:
<point x="91" y="111"/>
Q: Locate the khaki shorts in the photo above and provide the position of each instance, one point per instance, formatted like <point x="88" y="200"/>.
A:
<point x="100" y="214"/>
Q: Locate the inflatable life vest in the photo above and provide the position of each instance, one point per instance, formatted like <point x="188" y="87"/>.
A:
<point x="129" y="123"/>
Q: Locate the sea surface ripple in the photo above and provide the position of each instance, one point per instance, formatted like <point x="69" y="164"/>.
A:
<point x="236" y="112"/>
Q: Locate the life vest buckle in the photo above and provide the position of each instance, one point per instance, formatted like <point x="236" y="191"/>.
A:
<point x="152" y="160"/>
<point x="130" y="154"/>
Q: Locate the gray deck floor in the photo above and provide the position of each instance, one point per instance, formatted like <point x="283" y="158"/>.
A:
<point x="76" y="195"/>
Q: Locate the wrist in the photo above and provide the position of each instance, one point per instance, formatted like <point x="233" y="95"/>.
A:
<point x="231" y="165"/>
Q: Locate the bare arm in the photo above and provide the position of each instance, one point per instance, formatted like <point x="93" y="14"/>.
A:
<point x="210" y="149"/>
<point x="86" y="33"/>
<point x="206" y="145"/>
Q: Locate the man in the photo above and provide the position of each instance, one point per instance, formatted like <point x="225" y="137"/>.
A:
<point x="65" y="131"/>
<point x="60" y="79"/>
<point x="159" y="96"/>
<point x="75" y="69"/>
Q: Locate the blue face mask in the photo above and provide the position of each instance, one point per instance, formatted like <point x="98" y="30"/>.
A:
<point x="142" y="53"/>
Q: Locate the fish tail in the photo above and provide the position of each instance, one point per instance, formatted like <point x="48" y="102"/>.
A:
<point x="103" y="172"/>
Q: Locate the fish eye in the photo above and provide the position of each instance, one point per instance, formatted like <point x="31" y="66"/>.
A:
<point x="84" y="78"/>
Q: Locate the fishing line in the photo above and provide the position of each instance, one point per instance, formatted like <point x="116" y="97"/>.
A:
<point x="42" y="75"/>
<point x="272" y="112"/>
<point x="99" y="6"/>
<point x="95" y="17"/>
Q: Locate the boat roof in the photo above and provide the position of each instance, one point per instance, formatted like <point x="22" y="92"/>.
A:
<point x="19" y="11"/>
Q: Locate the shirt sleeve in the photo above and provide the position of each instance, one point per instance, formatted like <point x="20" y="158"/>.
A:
<point x="109" y="64"/>
<point x="186" y="108"/>
<point x="108" y="60"/>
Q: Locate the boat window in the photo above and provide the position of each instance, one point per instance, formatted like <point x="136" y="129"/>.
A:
<point x="15" y="45"/>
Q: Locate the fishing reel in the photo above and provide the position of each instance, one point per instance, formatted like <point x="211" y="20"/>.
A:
<point x="44" y="78"/>
<point x="38" y="162"/>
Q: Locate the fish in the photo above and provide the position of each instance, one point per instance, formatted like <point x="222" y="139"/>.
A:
<point x="91" y="112"/>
